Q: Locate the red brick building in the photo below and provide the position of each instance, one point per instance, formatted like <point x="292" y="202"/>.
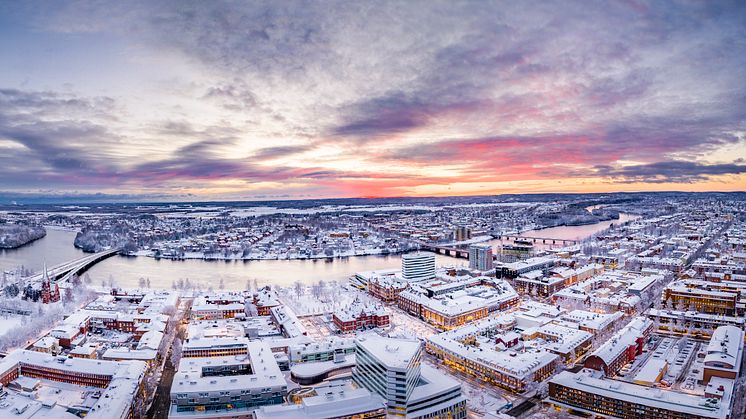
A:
<point x="360" y="316"/>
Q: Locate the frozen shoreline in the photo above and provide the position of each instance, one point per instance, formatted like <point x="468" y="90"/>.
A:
<point x="202" y="256"/>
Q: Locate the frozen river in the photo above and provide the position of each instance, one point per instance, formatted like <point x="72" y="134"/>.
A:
<point x="58" y="247"/>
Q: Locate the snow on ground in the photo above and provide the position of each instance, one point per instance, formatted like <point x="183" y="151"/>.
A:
<point x="10" y="321"/>
<point x="309" y="301"/>
<point x="477" y="239"/>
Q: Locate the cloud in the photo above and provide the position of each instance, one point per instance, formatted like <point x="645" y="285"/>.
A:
<point x="234" y="96"/>
<point x="669" y="172"/>
<point x="270" y="153"/>
<point x="49" y="138"/>
<point x="406" y="93"/>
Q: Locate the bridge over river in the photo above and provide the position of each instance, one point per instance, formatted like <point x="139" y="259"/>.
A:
<point x="462" y="251"/>
<point x="63" y="271"/>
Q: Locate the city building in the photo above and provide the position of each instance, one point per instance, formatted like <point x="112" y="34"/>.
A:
<point x="480" y="257"/>
<point x="705" y="297"/>
<point x="514" y="269"/>
<point x="386" y="287"/>
<point x="591" y="393"/>
<point x="227" y="386"/>
<point x="511" y="253"/>
<point x="537" y="284"/>
<point x="392" y="369"/>
<point x="569" y="342"/>
<point x="333" y="402"/>
<point x="196" y="347"/>
<point x="360" y="315"/>
<point x="724" y="353"/>
<point x="691" y="323"/>
<point x="218" y="306"/>
<point x="264" y="300"/>
<point x="418" y="266"/>
<point x="321" y="351"/>
<point x="595" y="323"/>
<point x="621" y="348"/>
<point x="461" y="233"/>
<point x="611" y="291"/>
<point x="456" y="308"/>
<point x="120" y="383"/>
<point x="494" y="363"/>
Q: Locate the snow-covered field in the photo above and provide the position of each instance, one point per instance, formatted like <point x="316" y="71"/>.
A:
<point x="9" y="321"/>
<point x="310" y="301"/>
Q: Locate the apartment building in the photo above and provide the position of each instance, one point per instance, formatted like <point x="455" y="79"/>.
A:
<point x="621" y="348"/>
<point x="227" y="387"/>
<point x="392" y="369"/>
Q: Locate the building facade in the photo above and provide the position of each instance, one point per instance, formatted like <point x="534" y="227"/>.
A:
<point x="480" y="257"/>
<point x="418" y="266"/>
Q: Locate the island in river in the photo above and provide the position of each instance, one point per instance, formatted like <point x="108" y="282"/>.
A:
<point x="17" y="235"/>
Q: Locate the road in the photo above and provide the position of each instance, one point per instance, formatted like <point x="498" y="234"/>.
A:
<point x="162" y="402"/>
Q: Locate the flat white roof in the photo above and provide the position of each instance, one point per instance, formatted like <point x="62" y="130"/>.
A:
<point x="329" y="403"/>
<point x="392" y="352"/>
<point x="633" y="393"/>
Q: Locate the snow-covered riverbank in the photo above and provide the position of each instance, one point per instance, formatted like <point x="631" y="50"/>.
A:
<point x="266" y="256"/>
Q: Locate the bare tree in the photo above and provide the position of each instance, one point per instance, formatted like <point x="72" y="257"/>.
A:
<point x="176" y="349"/>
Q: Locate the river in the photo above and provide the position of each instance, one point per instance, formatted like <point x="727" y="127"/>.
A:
<point x="570" y="232"/>
<point x="57" y="246"/>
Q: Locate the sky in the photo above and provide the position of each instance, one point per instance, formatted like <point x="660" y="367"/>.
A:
<point x="322" y="99"/>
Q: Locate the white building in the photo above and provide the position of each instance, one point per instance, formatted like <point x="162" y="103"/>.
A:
<point x="228" y="386"/>
<point x="418" y="266"/>
<point x="391" y="368"/>
<point x="331" y="402"/>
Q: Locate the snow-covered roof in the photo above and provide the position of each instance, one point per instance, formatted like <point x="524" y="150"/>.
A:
<point x="116" y="399"/>
<point x="205" y="343"/>
<point x="328" y="344"/>
<point x="264" y="368"/>
<point x="563" y="340"/>
<point x="357" y="308"/>
<point x="470" y="299"/>
<point x="395" y="353"/>
<point x="622" y="340"/>
<point x="678" y="402"/>
<point x="289" y="322"/>
<point x="592" y="320"/>
<point x="517" y="364"/>
<point x="696" y="315"/>
<point x="725" y="348"/>
<point x="330" y="402"/>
